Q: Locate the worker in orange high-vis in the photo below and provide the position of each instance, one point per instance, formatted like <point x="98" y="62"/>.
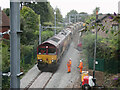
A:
<point x="80" y="66"/>
<point x="69" y="66"/>
<point x="70" y="62"/>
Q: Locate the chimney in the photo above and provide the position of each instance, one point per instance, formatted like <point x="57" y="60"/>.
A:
<point x="119" y="7"/>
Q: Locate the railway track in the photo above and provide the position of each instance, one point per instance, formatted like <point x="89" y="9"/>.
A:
<point x="40" y="81"/>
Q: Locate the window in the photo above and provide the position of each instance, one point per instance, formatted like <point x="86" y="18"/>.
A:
<point x="51" y="51"/>
<point x="42" y="51"/>
<point x="115" y="27"/>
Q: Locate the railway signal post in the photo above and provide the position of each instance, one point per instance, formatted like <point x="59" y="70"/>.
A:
<point x="94" y="62"/>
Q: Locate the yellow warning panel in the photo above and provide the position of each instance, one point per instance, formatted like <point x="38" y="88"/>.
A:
<point x="84" y="73"/>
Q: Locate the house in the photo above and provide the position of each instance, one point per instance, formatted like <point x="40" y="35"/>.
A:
<point x="107" y="22"/>
<point x="5" y="25"/>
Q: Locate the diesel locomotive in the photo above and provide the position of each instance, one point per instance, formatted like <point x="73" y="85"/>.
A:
<point x="51" y="50"/>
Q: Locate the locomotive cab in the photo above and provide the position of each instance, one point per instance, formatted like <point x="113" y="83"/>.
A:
<point x="46" y="54"/>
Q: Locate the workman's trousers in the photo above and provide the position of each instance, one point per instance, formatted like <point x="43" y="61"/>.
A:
<point x="69" y="69"/>
<point x="80" y="70"/>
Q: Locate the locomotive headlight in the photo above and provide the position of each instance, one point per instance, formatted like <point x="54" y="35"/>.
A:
<point x="40" y="60"/>
<point x="52" y="60"/>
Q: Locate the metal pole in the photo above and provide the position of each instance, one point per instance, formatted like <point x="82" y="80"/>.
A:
<point x="95" y="50"/>
<point x="40" y="33"/>
<point x="69" y="19"/>
<point x="55" y="21"/>
<point x="14" y="44"/>
<point x="75" y="18"/>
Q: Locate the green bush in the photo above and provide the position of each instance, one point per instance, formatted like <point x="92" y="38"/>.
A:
<point x="5" y="63"/>
<point x="5" y="58"/>
<point x="89" y="45"/>
<point x="46" y="35"/>
<point x="107" y="49"/>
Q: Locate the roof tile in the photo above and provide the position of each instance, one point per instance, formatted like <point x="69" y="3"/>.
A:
<point x="5" y="20"/>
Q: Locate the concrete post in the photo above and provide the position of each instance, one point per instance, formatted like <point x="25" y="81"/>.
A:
<point x="40" y="28"/>
<point x="14" y="44"/>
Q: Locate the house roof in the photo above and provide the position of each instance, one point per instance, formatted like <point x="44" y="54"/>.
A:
<point x="5" y="20"/>
<point x="102" y="17"/>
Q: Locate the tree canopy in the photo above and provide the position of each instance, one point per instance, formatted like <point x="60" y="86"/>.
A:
<point x="29" y="25"/>
<point x="7" y="11"/>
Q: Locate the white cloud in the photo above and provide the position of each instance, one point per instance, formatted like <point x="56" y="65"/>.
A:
<point x="4" y="4"/>
<point x="106" y="6"/>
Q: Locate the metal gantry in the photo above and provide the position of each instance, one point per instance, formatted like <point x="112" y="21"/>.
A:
<point x="42" y="28"/>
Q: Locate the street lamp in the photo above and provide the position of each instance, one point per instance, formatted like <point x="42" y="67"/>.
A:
<point x="55" y="21"/>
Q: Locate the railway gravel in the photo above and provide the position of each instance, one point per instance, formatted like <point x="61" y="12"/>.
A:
<point x="42" y="80"/>
<point x="29" y="77"/>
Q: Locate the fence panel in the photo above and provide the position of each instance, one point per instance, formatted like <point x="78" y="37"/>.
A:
<point x="110" y="66"/>
<point x="99" y="66"/>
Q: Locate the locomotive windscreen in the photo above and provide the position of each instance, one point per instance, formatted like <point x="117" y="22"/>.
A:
<point x="51" y="51"/>
<point x="47" y="50"/>
<point x="42" y="51"/>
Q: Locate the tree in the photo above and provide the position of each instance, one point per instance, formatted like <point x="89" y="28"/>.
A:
<point x="83" y="16"/>
<point x="58" y="15"/>
<point x="7" y="11"/>
<point x="72" y="14"/>
<point x="29" y="25"/>
<point x="44" y="9"/>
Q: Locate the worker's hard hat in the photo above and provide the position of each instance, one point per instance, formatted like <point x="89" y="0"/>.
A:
<point x="70" y="59"/>
<point x="80" y="60"/>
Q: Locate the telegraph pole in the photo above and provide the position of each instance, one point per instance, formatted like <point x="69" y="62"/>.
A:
<point x="15" y="44"/>
<point x="94" y="62"/>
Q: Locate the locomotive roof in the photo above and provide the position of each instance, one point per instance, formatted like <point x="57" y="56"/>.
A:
<point x="57" y="39"/>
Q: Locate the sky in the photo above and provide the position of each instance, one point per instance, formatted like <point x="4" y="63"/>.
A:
<point x="106" y="6"/>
